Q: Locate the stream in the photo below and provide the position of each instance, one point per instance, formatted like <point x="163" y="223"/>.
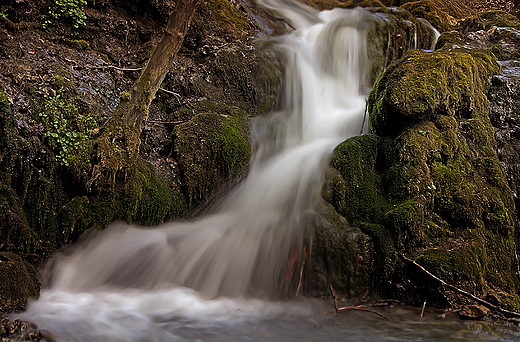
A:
<point x="211" y="279"/>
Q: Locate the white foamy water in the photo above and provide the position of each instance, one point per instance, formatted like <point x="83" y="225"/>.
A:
<point x="146" y="284"/>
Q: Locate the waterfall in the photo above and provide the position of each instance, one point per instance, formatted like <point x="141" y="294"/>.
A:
<point x="126" y="272"/>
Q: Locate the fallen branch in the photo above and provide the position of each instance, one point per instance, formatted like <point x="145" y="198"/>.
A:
<point x="167" y="122"/>
<point x="301" y="271"/>
<point x="358" y="308"/>
<point x="115" y="68"/>
<point x="447" y="313"/>
<point x="464" y="293"/>
<point x="335" y="299"/>
<point x="177" y="96"/>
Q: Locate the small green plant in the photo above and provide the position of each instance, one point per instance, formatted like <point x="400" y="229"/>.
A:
<point x="66" y="130"/>
<point x="71" y="9"/>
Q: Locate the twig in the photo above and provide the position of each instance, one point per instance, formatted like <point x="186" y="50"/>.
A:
<point x="177" y="96"/>
<point x="359" y="308"/>
<point x="335" y="299"/>
<point x="167" y="122"/>
<point x="364" y="117"/>
<point x="464" y="293"/>
<point x="423" y="307"/>
<point x="301" y="271"/>
<point x="114" y="67"/>
<point x="449" y="312"/>
<point x="360" y="299"/>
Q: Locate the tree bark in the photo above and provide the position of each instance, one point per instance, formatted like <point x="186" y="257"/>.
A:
<point x="117" y="147"/>
<point x="135" y="111"/>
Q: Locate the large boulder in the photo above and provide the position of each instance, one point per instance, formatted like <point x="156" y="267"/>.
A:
<point x="18" y="282"/>
<point x="428" y="185"/>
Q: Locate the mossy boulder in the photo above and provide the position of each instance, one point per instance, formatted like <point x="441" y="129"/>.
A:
<point x="393" y="32"/>
<point x="433" y="11"/>
<point x="212" y="149"/>
<point x="425" y="85"/>
<point x="217" y="17"/>
<point x="358" y="158"/>
<point x="428" y="185"/>
<point x="18" y="282"/>
<point x="454" y="8"/>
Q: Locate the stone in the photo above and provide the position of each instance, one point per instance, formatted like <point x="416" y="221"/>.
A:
<point x="473" y="311"/>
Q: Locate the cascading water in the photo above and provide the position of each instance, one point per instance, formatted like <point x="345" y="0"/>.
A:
<point x="129" y="283"/>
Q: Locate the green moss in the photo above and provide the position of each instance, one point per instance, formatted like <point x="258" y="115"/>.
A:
<point x="158" y="201"/>
<point x="424" y="85"/>
<point x="450" y="206"/>
<point x="80" y="44"/>
<point x="498" y="19"/>
<point x="76" y="217"/>
<point x="432" y="11"/>
<point x="449" y="40"/>
<point x="356" y="160"/>
<point x="407" y="33"/>
<point x="385" y="254"/>
<point x="211" y="149"/>
<point x="459" y="265"/>
<point x="15" y="233"/>
<point x="17" y="283"/>
<point x="406" y="222"/>
<point x="218" y="17"/>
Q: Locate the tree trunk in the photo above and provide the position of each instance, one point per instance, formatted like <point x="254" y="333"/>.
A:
<point x="117" y="147"/>
<point x="135" y="111"/>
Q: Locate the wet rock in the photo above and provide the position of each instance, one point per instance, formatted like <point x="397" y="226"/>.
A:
<point x="506" y="43"/>
<point x="341" y="256"/>
<point x="407" y="96"/>
<point x="504" y="97"/>
<point x="17" y="283"/>
<point x="436" y="14"/>
<point x="393" y="32"/>
<point x="473" y="312"/>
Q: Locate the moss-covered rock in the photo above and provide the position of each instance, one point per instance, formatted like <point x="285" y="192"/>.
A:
<point x="18" y="282"/>
<point x="212" y="149"/>
<point x="433" y="11"/>
<point x="487" y="20"/>
<point x="357" y="158"/>
<point x="425" y="85"/>
<point x="217" y="17"/>
<point x="433" y="178"/>
<point x="393" y="32"/>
